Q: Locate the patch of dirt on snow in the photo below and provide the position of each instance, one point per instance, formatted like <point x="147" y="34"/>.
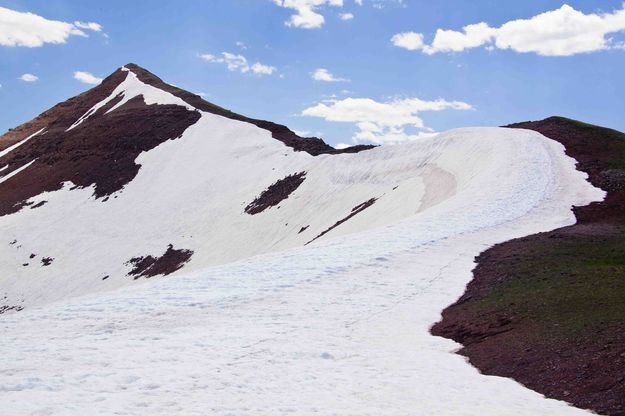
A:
<point x="439" y="186"/>
<point x="7" y="308"/>
<point x="149" y="266"/>
<point x="356" y="210"/>
<point x="276" y="193"/>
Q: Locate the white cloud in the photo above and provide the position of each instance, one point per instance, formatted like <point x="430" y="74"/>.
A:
<point x="408" y="40"/>
<point x="234" y="62"/>
<point x="87" y="78"/>
<point x="261" y="69"/>
<point x="30" y="30"/>
<point x="237" y="62"/>
<point x="307" y="16"/>
<point x="381" y="4"/>
<point x="452" y="41"/>
<point x="342" y="146"/>
<point x="382" y="122"/>
<point x="561" y="32"/>
<point x="346" y="16"/>
<point x="323" y="74"/>
<point x="29" y="77"/>
<point x="96" y="27"/>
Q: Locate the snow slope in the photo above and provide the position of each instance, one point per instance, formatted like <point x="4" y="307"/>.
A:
<point x="258" y="322"/>
<point x="336" y="327"/>
<point x="191" y="192"/>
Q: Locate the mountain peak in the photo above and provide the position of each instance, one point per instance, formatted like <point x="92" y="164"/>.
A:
<point x="312" y="145"/>
<point x="93" y="139"/>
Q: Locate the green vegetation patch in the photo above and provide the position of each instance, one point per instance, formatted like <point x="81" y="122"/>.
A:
<point x="565" y="285"/>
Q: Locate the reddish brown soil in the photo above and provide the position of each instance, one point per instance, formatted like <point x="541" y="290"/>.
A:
<point x="150" y="266"/>
<point x="549" y="309"/>
<point x="276" y="193"/>
<point x="356" y="210"/>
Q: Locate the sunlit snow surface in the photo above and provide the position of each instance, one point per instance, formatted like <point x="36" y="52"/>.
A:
<point x="334" y="328"/>
<point x="337" y="327"/>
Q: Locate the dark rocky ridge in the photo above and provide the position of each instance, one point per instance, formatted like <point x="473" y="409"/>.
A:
<point x="63" y="114"/>
<point x="549" y="309"/>
<point x="312" y="145"/>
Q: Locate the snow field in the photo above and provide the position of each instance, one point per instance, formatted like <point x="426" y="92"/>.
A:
<point x="257" y="323"/>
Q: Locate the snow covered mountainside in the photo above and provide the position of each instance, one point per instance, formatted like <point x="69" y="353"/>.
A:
<point x="136" y="182"/>
<point x="301" y="279"/>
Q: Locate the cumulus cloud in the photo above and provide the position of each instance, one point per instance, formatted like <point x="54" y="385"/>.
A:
<point x="323" y="74"/>
<point x="306" y="12"/>
<point x="30" y="30"/>
<point x="237" y="62"/>
<point x="346" y="16"/>
<point x="408" y="40"/>
<point x="452" y="41"/>
<point x="259" y="68"/>
<point x="561" y="32"/>
<point x="87" y="78"/>
<point x="383" y="122"/>
<point x="29" y="77"/>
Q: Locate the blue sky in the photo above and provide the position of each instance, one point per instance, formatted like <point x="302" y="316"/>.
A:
<point x="392" y="64"/>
